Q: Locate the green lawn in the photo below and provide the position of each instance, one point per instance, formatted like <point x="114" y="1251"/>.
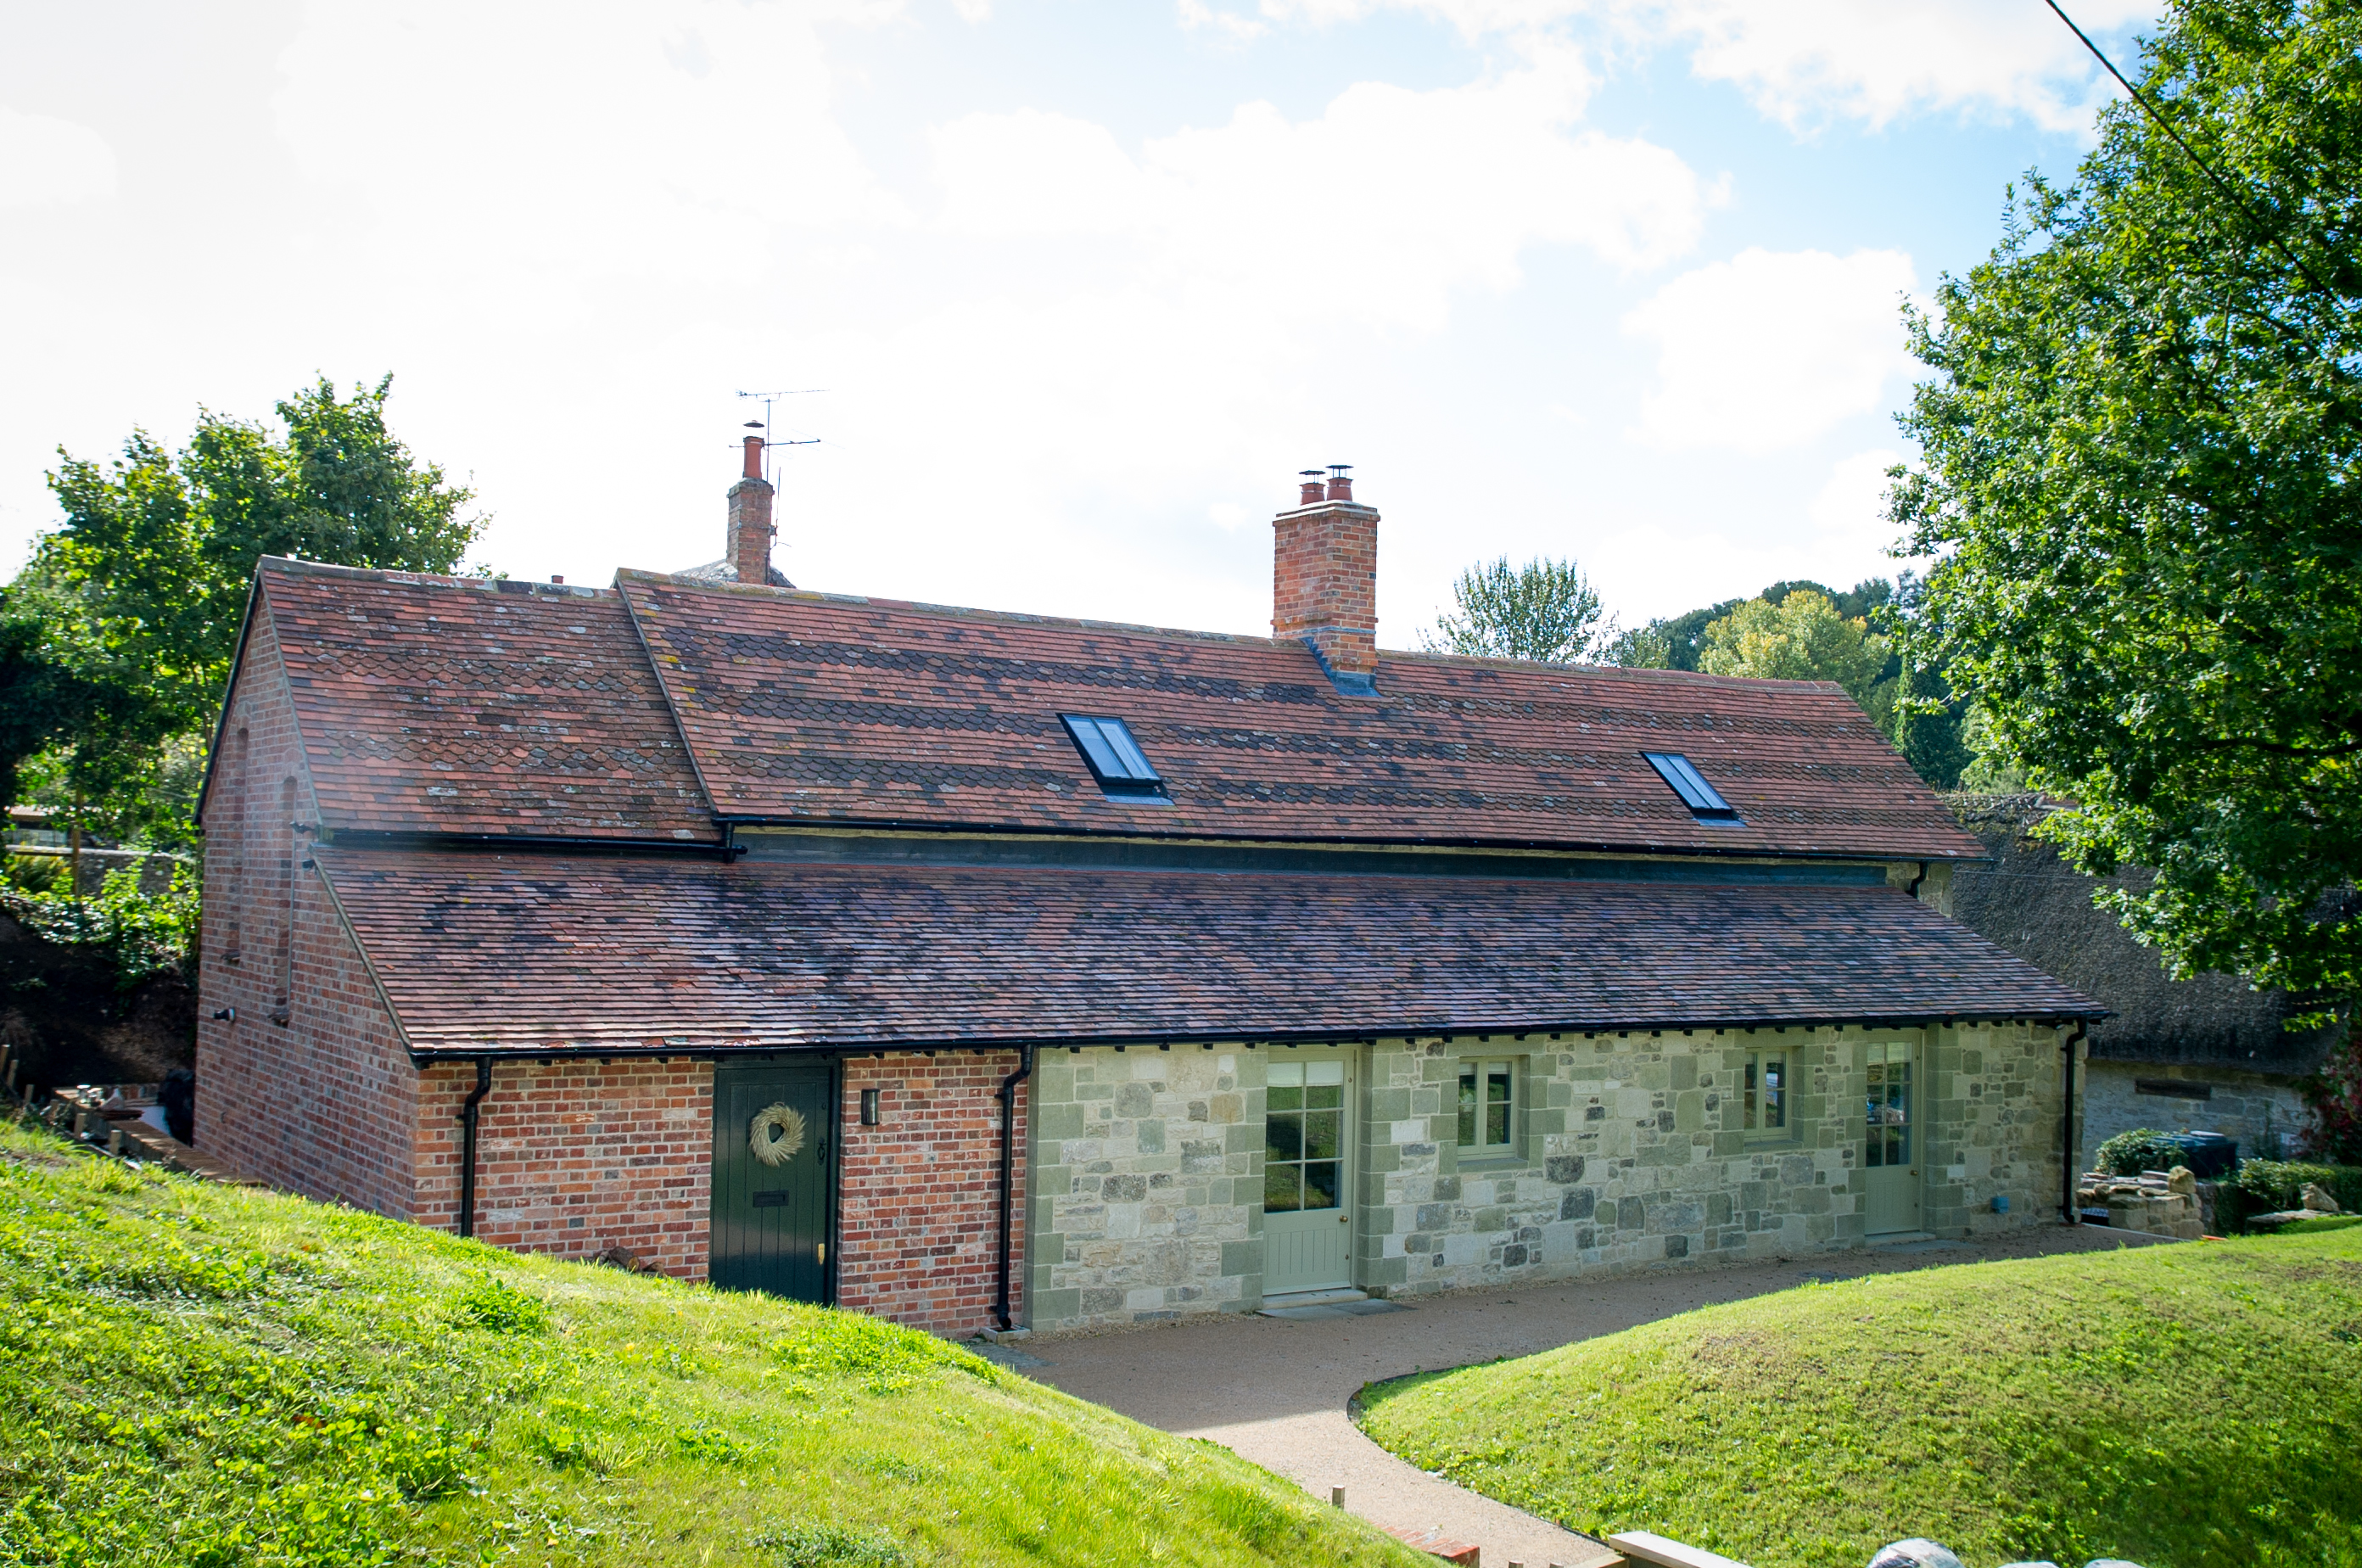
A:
<point x="2183" y="1407"/>
<point x="203" y="1376"/>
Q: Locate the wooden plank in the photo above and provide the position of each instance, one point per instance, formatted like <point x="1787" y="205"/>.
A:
<point x="1642" y="1546"/>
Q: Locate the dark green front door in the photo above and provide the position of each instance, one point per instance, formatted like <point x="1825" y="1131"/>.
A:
<point x="774" y="1177"/>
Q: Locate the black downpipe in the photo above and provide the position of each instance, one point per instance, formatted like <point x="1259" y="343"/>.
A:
<point x="2068" y="1212"/>
<point x="468" y="1145"/>
<point x="1913" y="891"/>
<point x="1001" y="1319"/>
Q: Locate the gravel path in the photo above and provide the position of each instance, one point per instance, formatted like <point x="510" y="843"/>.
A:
<point x="1275" y="1390"/>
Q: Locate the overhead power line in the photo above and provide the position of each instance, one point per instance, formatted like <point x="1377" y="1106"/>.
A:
<point x="2238" y="201"/>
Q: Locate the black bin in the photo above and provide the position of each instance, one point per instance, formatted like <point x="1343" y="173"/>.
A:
<point x="2210" y="1156"/>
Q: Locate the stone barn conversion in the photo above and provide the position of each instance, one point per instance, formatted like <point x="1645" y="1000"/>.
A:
<point x="988" y="970"/>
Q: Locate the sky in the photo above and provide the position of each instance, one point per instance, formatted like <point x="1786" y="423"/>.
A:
<point x="1063" y="293"/>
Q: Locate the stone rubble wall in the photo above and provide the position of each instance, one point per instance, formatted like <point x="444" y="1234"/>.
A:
<point x="2156" y="1203"/>
<point x="2260" y="1111"/>
<point x="1630" y="1154"/>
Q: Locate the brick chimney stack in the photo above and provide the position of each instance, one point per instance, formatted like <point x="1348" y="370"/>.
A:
<point x="1325" y="578"/>
<point x="748" y="550"/>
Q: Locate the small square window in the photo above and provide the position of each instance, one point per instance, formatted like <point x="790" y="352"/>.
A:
<point x="1489" y="1107"/>
<point x="1115" y="759"/>
<point x="1763" y="1098"/>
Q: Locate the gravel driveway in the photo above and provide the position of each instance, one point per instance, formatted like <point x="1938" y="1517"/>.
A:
<point x="1275" y="1390"/>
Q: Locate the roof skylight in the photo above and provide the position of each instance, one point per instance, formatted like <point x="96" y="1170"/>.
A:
<point x="1116" y="759"/>
<point x="1704" y="802"/>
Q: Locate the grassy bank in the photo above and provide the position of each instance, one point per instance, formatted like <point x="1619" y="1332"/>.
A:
<point x="2184" y="1406"/>
<point x="202" y="1377"/>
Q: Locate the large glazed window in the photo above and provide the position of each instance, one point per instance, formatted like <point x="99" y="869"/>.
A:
<point x="1304" y="1137"/>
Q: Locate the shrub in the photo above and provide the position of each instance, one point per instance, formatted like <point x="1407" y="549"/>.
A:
<point x="143" y="934"/>
<point x="2142" y="1149"/>
<point x="2271" y="1184"/>
<point x="33" y="873"/>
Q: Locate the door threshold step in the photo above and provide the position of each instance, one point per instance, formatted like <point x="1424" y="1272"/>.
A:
<point x="1304" y="1306"/>
<point x="1314" y="1297"/>
<point x="1897" y="1238"/>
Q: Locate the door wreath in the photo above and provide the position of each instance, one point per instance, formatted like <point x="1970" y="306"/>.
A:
<point x="776" y="1133"/>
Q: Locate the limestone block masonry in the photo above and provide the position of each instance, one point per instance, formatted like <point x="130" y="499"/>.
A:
<point x="1630" y="1151"/>
<point x="1147" y="1199"/>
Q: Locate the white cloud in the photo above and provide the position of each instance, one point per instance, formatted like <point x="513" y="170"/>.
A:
<point x="1379" y="210"/>
<point x="45" y="161"/>
<point x="1770" y="350"/>
<point x="1876" y="60"/>
<point x="1195" y="15"/>
<point x="1803" y="59"/>
<point x="541" y="154"/>
<point x="1848" y="514"/>
<point x="973" y="11"/>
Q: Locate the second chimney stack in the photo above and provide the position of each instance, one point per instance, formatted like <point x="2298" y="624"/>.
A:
<point x="749" y="542"/>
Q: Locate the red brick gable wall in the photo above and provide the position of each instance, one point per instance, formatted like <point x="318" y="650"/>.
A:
<point x="919" y="1228"/>
<point x="322" y="1102"/>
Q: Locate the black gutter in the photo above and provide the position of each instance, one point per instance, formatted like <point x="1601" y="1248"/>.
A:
<point x="2070" y="1212"/>
<point x="1001" y="1319"/>
<point x="1601" y="846"/>
<point x="1250" y="1035"/>
<point x="380" y="839"/>
<point x="468" y="1146"/>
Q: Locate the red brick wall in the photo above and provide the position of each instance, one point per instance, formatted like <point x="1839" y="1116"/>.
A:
<point x="1325" y="582"/>
<point x="321" y="1103"/>
<point x="573" y="1157"/>
<point x="919" y="1229"/>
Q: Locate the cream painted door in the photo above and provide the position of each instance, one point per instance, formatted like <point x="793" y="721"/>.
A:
<point x="1308" y="1172"/>
<point x="1891" y="1151"/>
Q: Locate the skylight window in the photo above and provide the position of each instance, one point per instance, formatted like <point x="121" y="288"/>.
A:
<point x="1700" y="797"/>
<point x="1116" y="759"/>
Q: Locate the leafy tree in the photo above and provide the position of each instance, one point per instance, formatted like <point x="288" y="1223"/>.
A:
<point x="1544" y="609"/>
<point x="2141" y="447"/>
<point x="1803" y="637"/>
<point x="139" y="595"/>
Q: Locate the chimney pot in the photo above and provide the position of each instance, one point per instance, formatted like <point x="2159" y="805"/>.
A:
<point x="753" y="457"/>
<point x="1325" y="579"/>
<point x="557" y="580"/>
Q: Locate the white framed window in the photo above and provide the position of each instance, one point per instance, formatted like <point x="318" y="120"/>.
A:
<point x="1488" y="1107"/>
<point x="1763" y="1093"/>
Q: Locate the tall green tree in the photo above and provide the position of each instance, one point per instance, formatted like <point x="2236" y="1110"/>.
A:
<point x="1803" y="637"/>
<point x="1545" y="609"/>
<point x="2141" y="482"/>
<point x="139" y="596"/>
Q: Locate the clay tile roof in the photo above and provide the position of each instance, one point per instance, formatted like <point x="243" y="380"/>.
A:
<point x="812" y="708"/>
<point x="503" y="951"/>
<point x="458" y="705"/>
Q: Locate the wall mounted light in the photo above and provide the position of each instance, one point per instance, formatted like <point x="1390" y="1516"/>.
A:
<point x="869" y="1107"/>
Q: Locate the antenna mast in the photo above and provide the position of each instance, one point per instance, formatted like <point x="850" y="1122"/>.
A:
<point x="767" y="399"/>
